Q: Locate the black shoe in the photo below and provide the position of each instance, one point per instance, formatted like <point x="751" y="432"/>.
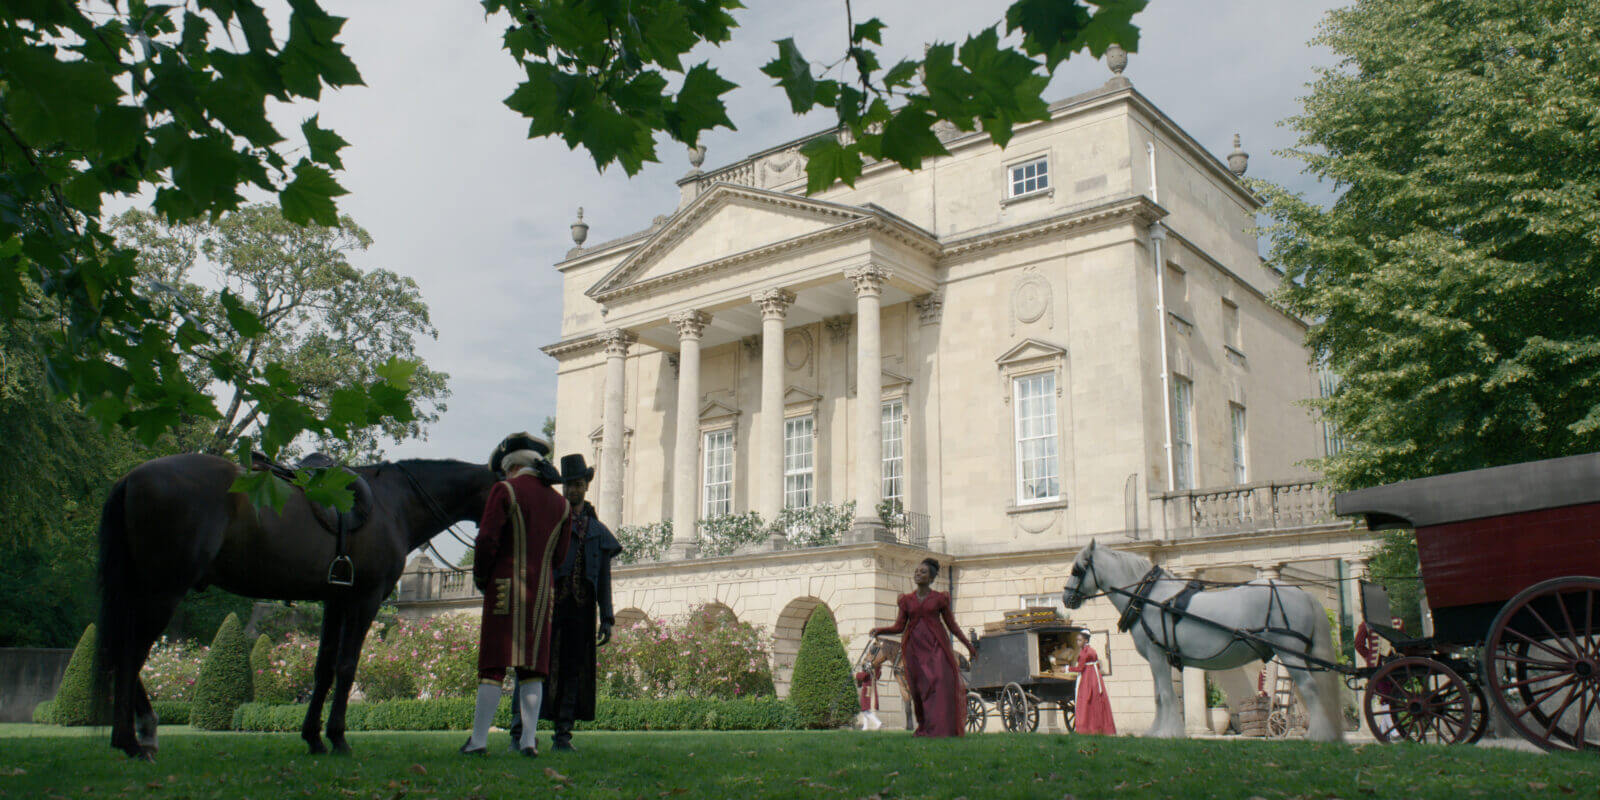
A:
<point x="564" y="747"/>
<point x="530" y="752"/>
<point x="468" y="750"/>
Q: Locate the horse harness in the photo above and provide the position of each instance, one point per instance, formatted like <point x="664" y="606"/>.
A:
<point x="1176" y="609"/>
<point x="341" y="571"/>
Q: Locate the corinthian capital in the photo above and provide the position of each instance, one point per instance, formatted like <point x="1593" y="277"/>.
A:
<point x="774" y="302"/>
<point x="691" y="323"/>
<point x="868" y="280"/>
<point x="617" y="340"/>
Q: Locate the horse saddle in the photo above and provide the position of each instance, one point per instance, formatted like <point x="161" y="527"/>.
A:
<point x="331" y="519"/>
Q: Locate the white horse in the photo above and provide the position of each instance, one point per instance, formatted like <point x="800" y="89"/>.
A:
<point x="1288" y="619"/>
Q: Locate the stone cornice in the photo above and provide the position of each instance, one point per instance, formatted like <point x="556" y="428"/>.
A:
<point x="574" y="346"/>
<point x="1137" y="208"/>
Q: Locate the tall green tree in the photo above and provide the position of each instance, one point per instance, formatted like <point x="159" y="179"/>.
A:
<point x="329" y="324"/>
<point x="106" y="98"/>
<point x="1454" y="284"/>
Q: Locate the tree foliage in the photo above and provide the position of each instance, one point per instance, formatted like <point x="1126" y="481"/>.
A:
<point x="121" y="99"/>
<point x="1393" y="564"/>
<point x="1455" y="282"/>
<point x="598" y="78"/>
<point x="329" y="324"/>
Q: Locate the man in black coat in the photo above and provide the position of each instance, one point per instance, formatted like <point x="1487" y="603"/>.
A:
<point x="583" y="613"/>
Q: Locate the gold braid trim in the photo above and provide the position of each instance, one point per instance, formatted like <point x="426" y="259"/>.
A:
<point x="541" y="601"/>
<point x="519" y="571"/>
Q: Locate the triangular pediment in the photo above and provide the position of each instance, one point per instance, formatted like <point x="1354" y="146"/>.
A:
<point x="599" y="432"/>
<point x="891" y="383"/>
<point x="725" y="220"/>
<point x="716" y="410"/>
<point x="1030" y="350"/>
<point x="796" y="395"/>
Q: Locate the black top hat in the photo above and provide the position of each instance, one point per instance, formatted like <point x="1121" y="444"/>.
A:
<point x="573" y="468"/>
<point x="515" y="442"/>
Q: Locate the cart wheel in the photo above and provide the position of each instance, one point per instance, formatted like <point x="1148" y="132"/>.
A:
<point x="1018" y="715"/>
<point x="1277" y="724"/>
<point x="1542" y="663"/>
<point x="1418" y="700"/>
<point x="977" y="715"/>
<point x="1480" y="712"/>
<point x="1069" y="715"/>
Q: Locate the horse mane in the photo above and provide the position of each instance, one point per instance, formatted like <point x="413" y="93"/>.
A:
<point x="420" y="465"/>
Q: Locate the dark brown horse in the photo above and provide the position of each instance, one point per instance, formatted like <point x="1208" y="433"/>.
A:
<point x="171" y="525"/>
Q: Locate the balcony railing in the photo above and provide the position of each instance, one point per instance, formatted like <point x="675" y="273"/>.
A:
<point x="430" y="583"/>
<point x="1248" y="507"/>
<point x="909" y="528"/>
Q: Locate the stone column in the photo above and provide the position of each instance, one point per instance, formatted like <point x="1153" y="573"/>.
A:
<point x="1270" y="571"/>
<point x="611" y="431"/>
<point x="869" y="281"/>
<point x="1356" y="568"/>
<point x="686" y="452"/>
<point x="769" y="474"/>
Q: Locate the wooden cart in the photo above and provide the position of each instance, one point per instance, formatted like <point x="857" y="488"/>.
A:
<point x="1013" y="678"/>
<point x="1510" y="562"/>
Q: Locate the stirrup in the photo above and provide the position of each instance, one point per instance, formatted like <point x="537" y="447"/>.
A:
<point x="342" y="572"/>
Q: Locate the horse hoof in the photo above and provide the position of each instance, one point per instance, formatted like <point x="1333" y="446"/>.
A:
<point x="341" y="749"/>
<point x="317" y="748"/>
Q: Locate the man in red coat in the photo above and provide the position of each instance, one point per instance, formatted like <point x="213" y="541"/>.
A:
<point x="520" y="539"/>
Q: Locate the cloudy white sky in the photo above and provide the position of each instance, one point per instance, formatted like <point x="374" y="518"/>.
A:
<point x="457" y="197"/>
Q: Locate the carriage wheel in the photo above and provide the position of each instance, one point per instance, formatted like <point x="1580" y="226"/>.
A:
<point x="1542" y="663"/>
<point x="977" y="716"/>
<point x="1419" y="700"/>
<point x="1278" y="724"/>
<point x="1069" y="715"/>
<point x="1480" y="712"/>
<point x="1018" y="715"/>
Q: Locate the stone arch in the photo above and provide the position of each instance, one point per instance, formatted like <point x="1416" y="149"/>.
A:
<point x="786" y="639"/>
<point x="628" y="617"/>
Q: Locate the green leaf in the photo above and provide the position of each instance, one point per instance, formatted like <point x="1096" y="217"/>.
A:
<point x="324" y="144"/>
<point x="901" y="74"/>
<point x="311" y="56"/>
<point x="828" y="161"/>
<point x="205" y="170"/>
<point x="264" y="489"/>
<point x="699" y="105"/>
<point x="397" y="372"/>
<point x="793" y="73"/>
<point x="869" y="31"/>
<point x="119" y="130"/>
<point x="665" y="33"/>
<point x="309" y="197"/>
<point x="348" y="408"/>
<point x="50" y="100"/>
<point x="328" y="486"/>
<point x="240" y="318"/>
<point x="241" y="108"/>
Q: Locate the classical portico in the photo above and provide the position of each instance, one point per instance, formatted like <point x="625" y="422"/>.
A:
<point x="716" y="275"/>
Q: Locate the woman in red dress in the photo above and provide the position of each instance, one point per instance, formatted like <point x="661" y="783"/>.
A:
<point x="938" y="694"/>
<point x="1092" y="705"/>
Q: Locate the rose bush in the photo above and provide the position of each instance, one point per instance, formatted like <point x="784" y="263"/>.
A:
<point x="420" y="658"/>
<point x="172" y="668"/>
<point x="708" y="655"/>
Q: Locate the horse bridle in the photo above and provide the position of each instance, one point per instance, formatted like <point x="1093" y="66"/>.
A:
<point x="439" y="512"/>
<point x="1079" y="571"/>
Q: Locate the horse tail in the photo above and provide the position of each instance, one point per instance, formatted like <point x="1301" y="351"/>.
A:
<point x="116" y="623"/>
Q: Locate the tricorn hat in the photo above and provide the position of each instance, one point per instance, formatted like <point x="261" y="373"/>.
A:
<point x="574" y="468"/>
<point x="513" y="443"/>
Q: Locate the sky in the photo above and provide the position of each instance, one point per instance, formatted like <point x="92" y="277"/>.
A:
<point x="457" y="197"/>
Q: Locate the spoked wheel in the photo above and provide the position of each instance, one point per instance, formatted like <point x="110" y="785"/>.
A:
<point x="1069" y="715"/>
<point x="1480" y="713"/>
<point x="1541" y="663"/>
<point x="1278" y="724"/>
<point x="977" y="717"/>
<point x="1016" y="712"/>
<point x="1419" y="700"/>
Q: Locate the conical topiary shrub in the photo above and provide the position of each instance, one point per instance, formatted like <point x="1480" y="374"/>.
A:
<point x="224" y="683"/>
<point x="75" y="697"/>
<point x="823" y="692"/>
<point x="261" y="675"/>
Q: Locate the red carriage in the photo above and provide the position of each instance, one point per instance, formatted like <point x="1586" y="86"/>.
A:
<point x="1510" y="563"/>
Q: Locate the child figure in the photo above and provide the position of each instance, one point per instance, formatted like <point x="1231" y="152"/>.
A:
<point x="867" y="683"/>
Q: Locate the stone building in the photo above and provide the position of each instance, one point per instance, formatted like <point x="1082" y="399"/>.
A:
<point x="997" y="358"/>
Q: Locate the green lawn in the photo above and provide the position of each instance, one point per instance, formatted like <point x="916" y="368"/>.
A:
<point x="43" y="762"/>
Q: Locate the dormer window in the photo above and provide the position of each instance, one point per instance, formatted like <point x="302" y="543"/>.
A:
<point x="1029" y="177"/>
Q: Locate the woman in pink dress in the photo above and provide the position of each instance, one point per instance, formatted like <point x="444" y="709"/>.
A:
<point x="938" y="694"/>
<point x="1093" y="707"/>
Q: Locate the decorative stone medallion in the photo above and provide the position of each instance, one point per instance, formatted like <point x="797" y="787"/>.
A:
<point x="797" y="349"/>
<point x="1030" y="298"/>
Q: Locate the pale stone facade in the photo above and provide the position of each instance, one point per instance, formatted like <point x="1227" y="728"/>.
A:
<point x="988" y="316"/>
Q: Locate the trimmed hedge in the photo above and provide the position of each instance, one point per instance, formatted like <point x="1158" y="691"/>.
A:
<point x="224" y="682"/>
<point x="823" y="691"/>
<point x="74" y="703"/>
<point x="260" y="664"/>
<point x="455" y="713"/>
<point x="171" y="712"/>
